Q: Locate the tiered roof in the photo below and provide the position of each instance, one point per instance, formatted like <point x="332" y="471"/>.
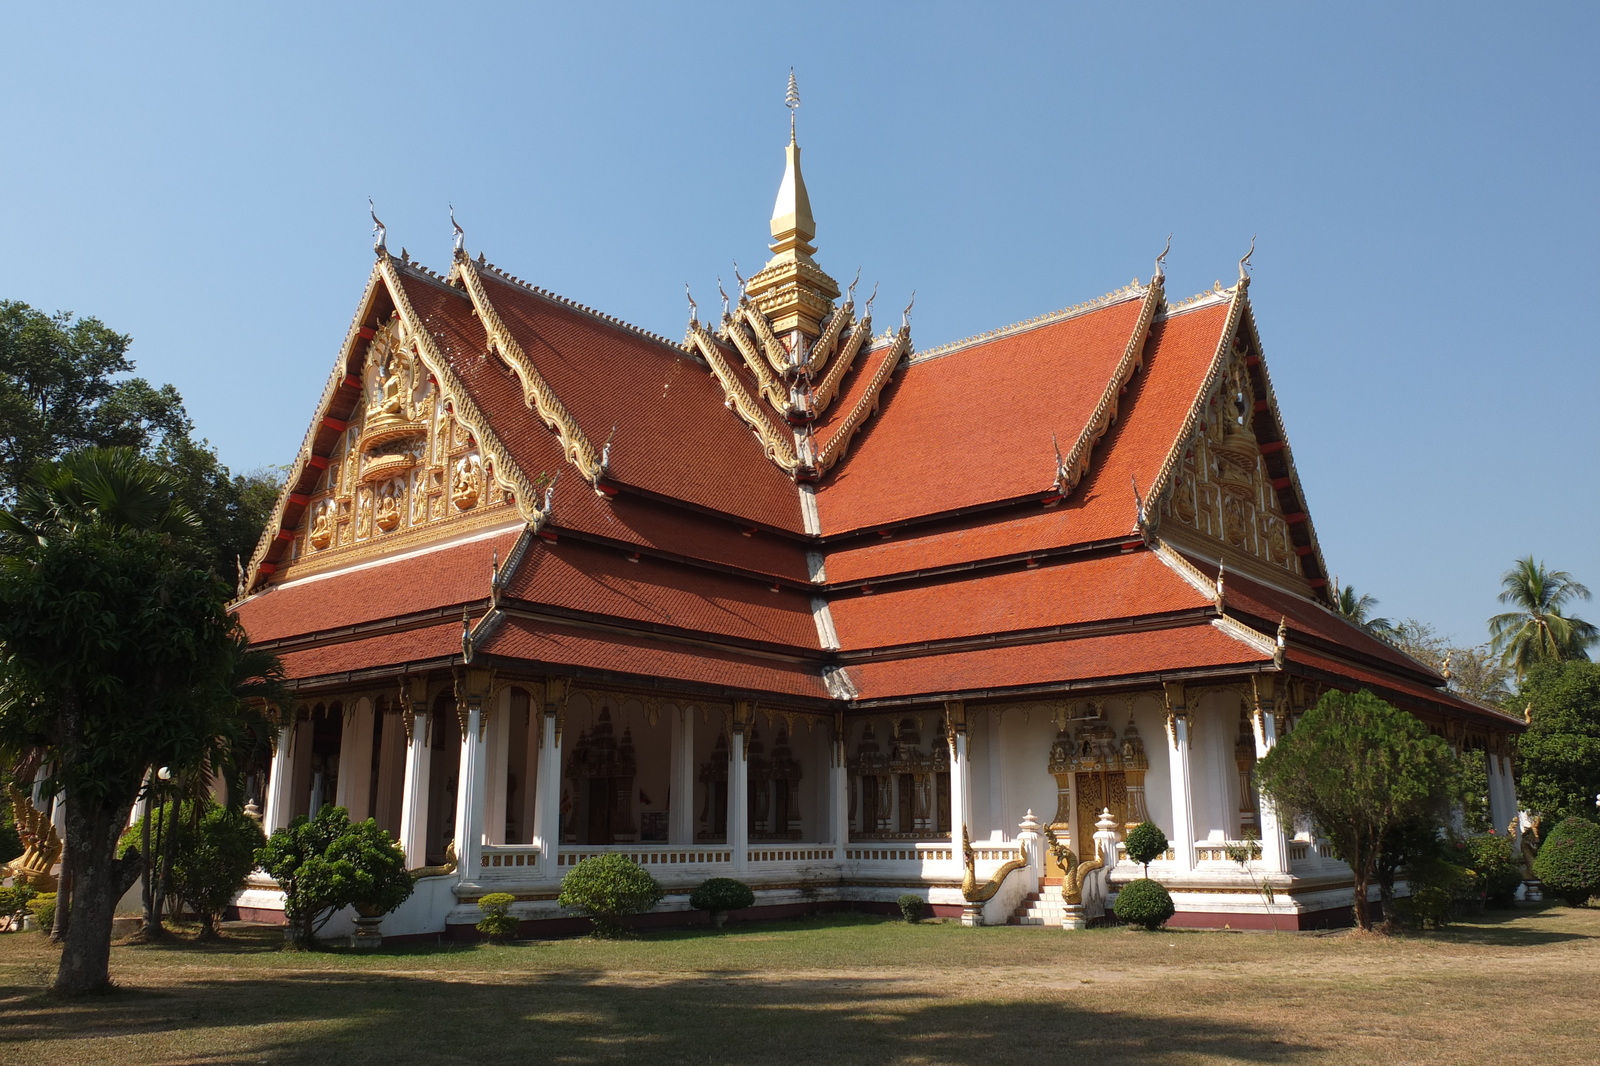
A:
<point x="792" y="509"/>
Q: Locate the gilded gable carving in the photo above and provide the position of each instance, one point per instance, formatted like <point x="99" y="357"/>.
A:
<point x="403" y="463"/>
<point x="1221" y="487"/>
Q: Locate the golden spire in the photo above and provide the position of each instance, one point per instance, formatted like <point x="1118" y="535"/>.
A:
<point x="791" y="289"/>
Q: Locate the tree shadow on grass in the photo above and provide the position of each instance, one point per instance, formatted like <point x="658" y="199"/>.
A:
<point x="1510" y="929"/>
<point x="592" y="1017"/>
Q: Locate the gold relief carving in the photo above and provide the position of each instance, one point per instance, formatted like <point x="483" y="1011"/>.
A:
<point x="1220" y="487"/>
<point x="387" y="515"/>
<point x="467" y="484"/>
<point x="322" y="528"/>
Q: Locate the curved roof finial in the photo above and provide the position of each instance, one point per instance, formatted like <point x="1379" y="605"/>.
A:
<point x="905" y="315"/>
<point x="1244" y="264"/>
<point x="850" y="295"/>
<point x="1161" y="263"/>
<point x="724" y="293"/>
<point x="791" y="100"/>
<point x="460" y="234"/>
<point x="694" y="308"/>
<point x="378" y="229"/>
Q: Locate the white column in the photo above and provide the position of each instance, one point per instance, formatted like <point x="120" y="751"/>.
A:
<point x="999" y="803"/>
<point x="279" y="781"/>
<point x="1274" y="846"/>
<point x="839" y="795"/>
<point x="355" y="762"/>
<point x="533" y="761"/>
<point x="471" y="803"/>
<point x="680" y="804"/>
<point x="414" y="793"/>
<point x="1182" y="794"/>
<point x="497" y="756"/>
<point x="1502" y="793"/>
<point x="960" y="786"/>
<point x="391" y="764"/>
<point x="547" y="809"/>
<point x="738" y="801"/>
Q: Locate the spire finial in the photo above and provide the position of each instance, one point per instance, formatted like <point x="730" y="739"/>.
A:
<point x="694" y="309"/>
<point x="378" y="229"/>
<point x="791" y="100"/>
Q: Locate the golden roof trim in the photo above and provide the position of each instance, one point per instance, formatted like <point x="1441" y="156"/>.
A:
<point x="1049" y="318"/>
<point x="779" y="446"/>
<point x="823" y="395"/>
<point x="536" y="391"/>
<point x="839" y="443"/>
<point x="1076" y="464"/>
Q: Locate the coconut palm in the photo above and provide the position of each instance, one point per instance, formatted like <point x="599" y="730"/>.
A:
<point x="1539" y="630"/>
<point x="1357" y="610"/>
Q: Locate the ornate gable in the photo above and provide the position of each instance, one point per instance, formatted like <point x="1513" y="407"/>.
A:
<point x="1230" y="485"/>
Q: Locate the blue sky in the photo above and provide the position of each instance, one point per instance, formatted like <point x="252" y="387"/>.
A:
<point x="1421" y="179"/>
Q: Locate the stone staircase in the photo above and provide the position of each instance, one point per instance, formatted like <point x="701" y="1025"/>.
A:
<point x="1044" y="907"/>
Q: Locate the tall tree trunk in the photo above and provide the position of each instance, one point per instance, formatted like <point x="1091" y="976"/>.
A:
<point x="150" y="924"/>
<point x="98" y="882"/>
<point x="63" y="912"/>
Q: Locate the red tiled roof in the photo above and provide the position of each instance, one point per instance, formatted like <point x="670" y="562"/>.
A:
<point x="1432" y="698"/>
<point x="1178" y="356"/>
<point x="1247" y="596"/>
<point x="674" y="435"/>
<point x="851" y="390"/>
<point x="387" y="649"/>
<point x="444" y="577"/>
<point x="1104" y="658"/>
<point x="1006" y="600"/>
<point x="590" y="578"/>
<point x="552" y="642"/>
<point x="974" y="426"/>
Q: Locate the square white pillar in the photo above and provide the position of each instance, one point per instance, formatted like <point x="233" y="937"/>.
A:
<point x="497" y="756"/>
<point x="355" y="762"/>
<point x="1274" y="845"/>
<point x="1179" y="773"/>
<point x="414" y="792"/>
<point x="738" y="801"/>
<point x="471" y="801"/>
<point x="280" y="804"/>
<point x="547" y="810"/>
<point x="680" y="802"/>
<point x="391" y="769"/>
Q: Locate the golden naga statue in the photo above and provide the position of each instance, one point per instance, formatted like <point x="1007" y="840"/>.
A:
<point x="446" y="867"/>
<point x="973" y="892"/>
<point x="1073" y="871"/>
<point x="41" y="847"/>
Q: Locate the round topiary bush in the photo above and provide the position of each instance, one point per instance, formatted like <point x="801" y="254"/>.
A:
<point x="498" y="923"/>
<point x="1569" y="861"/>
<point x="719" y="895"/>
<point x="609" y="888"/>
<point x="1146" y="843"/>
<point x="1145" y="903"/>
<point x="912" y="907"/>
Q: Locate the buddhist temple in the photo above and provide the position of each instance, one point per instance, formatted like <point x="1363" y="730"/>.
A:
<point x="794" y="600"/>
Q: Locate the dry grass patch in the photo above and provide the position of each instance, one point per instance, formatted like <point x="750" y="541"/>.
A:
<point x="1507" y="990"/>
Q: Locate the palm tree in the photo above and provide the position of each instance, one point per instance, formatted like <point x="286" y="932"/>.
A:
<point x="1357" y="610"/>
<point x="1538" y="630"/>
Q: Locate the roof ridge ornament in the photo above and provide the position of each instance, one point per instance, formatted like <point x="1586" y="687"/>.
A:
<point x="1160" y="276"/>
<point x="378" y="229"/>
<point x="1244" y="264"/>
<point x="905" y="315"/>
<point x="791" y="100"/>
<point x="694" y="308"/>
<point x="460" y="234"/>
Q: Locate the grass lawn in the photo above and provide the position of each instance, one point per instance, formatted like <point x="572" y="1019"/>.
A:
<point x="1511" y="988"/>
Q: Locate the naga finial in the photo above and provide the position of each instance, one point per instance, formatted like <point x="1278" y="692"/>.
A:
<point x="1061" y="465"/>
<point x="850" y="293"/>
<point x="1445" y="669"/>
<point x="694" y="308"/>
<point x="378" y="229"/>
<point x="740" y="278"/>
<point x="605" y="453"/>
<point x="1161" y="263"/>
<point x="866" y="312"/>
<point x="1244" y="264"/>
<point x="460" y="234"/>
<point x="905" y="315"/>
<point x="724" y="293"/>
<point x="1222" y="574"/>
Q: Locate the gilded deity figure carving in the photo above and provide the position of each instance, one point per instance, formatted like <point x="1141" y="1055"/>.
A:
<point x="388" y="516"/>
<point x="322" y="529"/>
<point x="467" y="485"/>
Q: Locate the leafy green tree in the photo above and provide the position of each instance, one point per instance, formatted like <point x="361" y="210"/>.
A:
<point x="1358" y="610"/>
<point x="212" y="861"/>
<point x="1538" y="630"/>
<point x="609" y="888"/>
<point x="1474" y="672"/>
<point x="62" y="389"/>
<point x="1144" y="903"/>
<point x="116" y="654"/>
<point x="327" y="863"/>
<point x="1569" y="861"/>
<point x="1365" y="772"/>
<point x="1145" y="844"/>
<point x="1559" y="755"/>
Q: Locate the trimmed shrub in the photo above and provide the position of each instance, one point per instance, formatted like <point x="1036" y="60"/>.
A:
<point x="14" y="903"/>
<point x="498" y="923"/>
<point x="609" y="888"/>
<point x="1440" y="892"/>
<point x="1569" y="861"/>
<point x="1491" y="858"/>
<point x="1145" y="903"/>
<point x="43" y="909"/>
<point x="328" y="862"/>
<point x="912" y="907"/>
<point x="719" y="895"/>
<point x="1145" y="844"/>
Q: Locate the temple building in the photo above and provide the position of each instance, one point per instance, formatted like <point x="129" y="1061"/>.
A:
<point x="795" y="601"/>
